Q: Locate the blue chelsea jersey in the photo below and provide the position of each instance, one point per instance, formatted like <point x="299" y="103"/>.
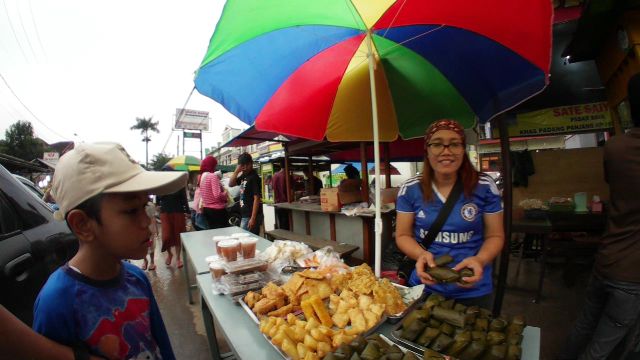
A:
<point x="462" y="234"/>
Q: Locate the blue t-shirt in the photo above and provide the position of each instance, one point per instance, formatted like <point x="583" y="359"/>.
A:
<point x="114" y="318"/>
<point x="462" y="234"/>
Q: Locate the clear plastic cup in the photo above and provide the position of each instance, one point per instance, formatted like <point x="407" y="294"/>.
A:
<point x="248" y="245"/>
<point x="217" y="239"/>
<point x="217" y="270"/>
<point x="229" y="249"/>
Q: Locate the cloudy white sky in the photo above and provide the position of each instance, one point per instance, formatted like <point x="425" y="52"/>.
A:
<point x="87" y="69"/>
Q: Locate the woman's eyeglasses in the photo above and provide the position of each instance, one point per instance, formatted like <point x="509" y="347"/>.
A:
<point x="455" y="148"/>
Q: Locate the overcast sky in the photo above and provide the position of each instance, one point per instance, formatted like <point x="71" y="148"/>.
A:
<point x="86" y="69"/>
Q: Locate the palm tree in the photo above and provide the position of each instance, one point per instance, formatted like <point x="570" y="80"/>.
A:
<point x="145" y="125"/>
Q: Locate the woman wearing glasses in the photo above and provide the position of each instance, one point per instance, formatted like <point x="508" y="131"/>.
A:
<point x="472" y="233"/>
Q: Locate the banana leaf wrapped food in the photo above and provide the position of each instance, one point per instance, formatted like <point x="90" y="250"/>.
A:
<point x="393" y="349"/>
<point x="481" y="325"/>
<point x="432" y="355"/>
<point x="355" y="356"/>
<point x="485" y="314"/>
<point x="427" y="336"/>
<point x="435" y="323"/>
<point x="333" y="356"/>
<point x="473" y="350"/>
<point x="443" y="260"/>
<point x="495" y="338"/>
<point x="441" y="343"/>
<point x="460" y="307"/>
<point x="459" y="343"/>
<point x="447" y="329"/>
<point x="413" y="330"/>
<point x="443" y="274"/>
<point x="448" y="304"/>
<point x="344" y="350"/>
<point x="433" y="300"/>
<point x="514" y="352"/>
<point x="371" y="351"/>
<point x="450" y="316"/>
<point x="358" y="344"/>
<point x="514" y="339"/>
<point x="422" y="314"/>
<point x="516" y="326"/>
<point x="498" y="324"/>
<point x="410" y="356"/>
<point x="478" y="335"/>
<point x="382" y="345"/>
<point x="392" y="356"/>
<point x="496" y="352"/>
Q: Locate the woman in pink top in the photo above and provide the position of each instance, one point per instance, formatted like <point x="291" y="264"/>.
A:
<point x="213" y="195"/>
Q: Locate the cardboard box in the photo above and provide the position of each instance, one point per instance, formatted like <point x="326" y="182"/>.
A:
<point x="329" y="200"/>
<point x="348" y="197"/>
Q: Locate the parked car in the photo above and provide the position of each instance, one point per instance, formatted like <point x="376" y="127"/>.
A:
<point x="30" y="186"/>
<point x="32" y="245"/>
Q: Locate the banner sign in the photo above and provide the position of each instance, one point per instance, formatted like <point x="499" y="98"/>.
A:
<point x="192" y="120"/>
<point x="561" y="120"/>
<point x="50" y="156"/>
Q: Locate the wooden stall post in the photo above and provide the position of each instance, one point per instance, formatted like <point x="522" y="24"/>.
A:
<point x="288" y="182"/>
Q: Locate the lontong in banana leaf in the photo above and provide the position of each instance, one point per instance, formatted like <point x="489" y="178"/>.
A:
<point x="496" y="352"/>
<point x="413" y="330"/>
<point x="441" y="343"/>
<point x="459" y="343"/>
<point x="451" y="316"/>
<point x="433" y="300"/>
<point x="427" y="336"/>
<point x="495" y="338"/>
<point x="474" y="350"/>
<point x="514" y="352"/>
<point x="422" y="314"/>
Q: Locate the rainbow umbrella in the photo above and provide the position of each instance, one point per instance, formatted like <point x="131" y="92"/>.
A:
<point x="373" y="70"/>
<point x="183" y="163"/>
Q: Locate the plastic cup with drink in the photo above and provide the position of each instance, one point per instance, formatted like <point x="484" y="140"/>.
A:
<point x="248" y="245"/>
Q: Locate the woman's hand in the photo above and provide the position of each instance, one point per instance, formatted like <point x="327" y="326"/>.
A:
<point x="475" y="264"/>
<point x="422" y="262"/>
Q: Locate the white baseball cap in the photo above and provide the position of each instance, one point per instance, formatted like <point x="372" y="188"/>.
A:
<point x="92" y="169"/>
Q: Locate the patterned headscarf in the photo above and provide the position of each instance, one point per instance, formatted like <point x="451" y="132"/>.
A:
<point x="444" y="124"/>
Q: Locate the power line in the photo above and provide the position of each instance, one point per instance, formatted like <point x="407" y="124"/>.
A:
<point x="29" y="110"/>
<point x="6" y="11"/>
<point x="179" y="117"/>
<point x="33" y="20"/>
<point x="25" y="33"/>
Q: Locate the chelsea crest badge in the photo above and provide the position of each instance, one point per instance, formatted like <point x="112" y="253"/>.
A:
<point x="469" y="211"/>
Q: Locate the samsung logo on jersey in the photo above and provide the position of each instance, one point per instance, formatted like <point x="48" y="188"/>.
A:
<point x="449" y="237"/>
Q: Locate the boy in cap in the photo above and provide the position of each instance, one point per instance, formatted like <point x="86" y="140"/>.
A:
<point x="97" y="301"/>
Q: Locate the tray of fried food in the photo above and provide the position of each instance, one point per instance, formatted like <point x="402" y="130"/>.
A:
<point x="273" y="300"/>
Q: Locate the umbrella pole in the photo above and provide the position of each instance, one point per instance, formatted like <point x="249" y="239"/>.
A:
<point x="508" y="199"/>
<point x="376" y="155"/>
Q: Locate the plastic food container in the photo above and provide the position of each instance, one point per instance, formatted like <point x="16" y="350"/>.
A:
<point x="245" y="266"/>
<point x="231" y="279"/>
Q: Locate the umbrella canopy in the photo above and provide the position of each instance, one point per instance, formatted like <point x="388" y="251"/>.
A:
<point x="183" y="163"/>
<point x="299" y="67"/>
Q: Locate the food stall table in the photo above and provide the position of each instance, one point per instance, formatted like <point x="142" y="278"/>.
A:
<point x="246" y="341"/>
<point x="196" y="246"/>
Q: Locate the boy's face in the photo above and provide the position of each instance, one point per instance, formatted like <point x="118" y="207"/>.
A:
<point x="246" y="168"/>
<point x="124" y="232"/>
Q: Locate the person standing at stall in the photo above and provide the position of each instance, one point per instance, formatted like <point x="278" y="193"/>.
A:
<point x="612" y="304"/>
<point x="473" y="231"/>
<point x="213" y="194"/>
<point x="313" y="184"/>
<point x="279" y="182"/>
<point x="250" y="193"/>
<point x="352" y="183"/>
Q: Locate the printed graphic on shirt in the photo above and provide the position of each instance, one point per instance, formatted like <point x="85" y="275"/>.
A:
<point x="469" y="211"/>
<point x="243" y="186"/>
<point x="420" y="214"/>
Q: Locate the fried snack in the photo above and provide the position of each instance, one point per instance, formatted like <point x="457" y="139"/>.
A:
<point x="311" y="356"/>
<point x="370" y="318"/>
<point x="334" y="300"/>
<point x="321" y="311"/>
<point x="364" y="302"/>
<point x="252" y="298"/>
<point x="290" y="349"/>
<point x="316" y="287"/>
<point x="272" y="291"/>
<point x="340" y="319"/>
<point x="339" y="281"/>
<point x="308" y="311"/>
<point x="358" y="322"/>
<point x="294" y="283"/>
<point x="264" y="306"/>
<point x="279" y="312"/>
<point x="385" y="293"/>
<point x="302" y="350"/>
<point x="377" y="309"/>
<point x="312" y="274"/>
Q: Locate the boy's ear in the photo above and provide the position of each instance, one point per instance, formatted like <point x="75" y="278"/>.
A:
<point x="81" y="225"/>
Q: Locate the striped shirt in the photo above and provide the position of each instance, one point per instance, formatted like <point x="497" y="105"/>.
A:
<point x="212" y="192"/>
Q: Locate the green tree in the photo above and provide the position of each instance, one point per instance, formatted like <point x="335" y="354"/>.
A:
<point x="158" y="161"/>
<point x="20" y="141"/>
<point x="145" y="125"/>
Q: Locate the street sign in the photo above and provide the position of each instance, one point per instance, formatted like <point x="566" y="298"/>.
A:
<point x="192" y="120"/>
<point x="191" y="135"/>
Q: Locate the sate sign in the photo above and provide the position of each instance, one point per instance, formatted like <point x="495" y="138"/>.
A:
<point x="562" y="119"/>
